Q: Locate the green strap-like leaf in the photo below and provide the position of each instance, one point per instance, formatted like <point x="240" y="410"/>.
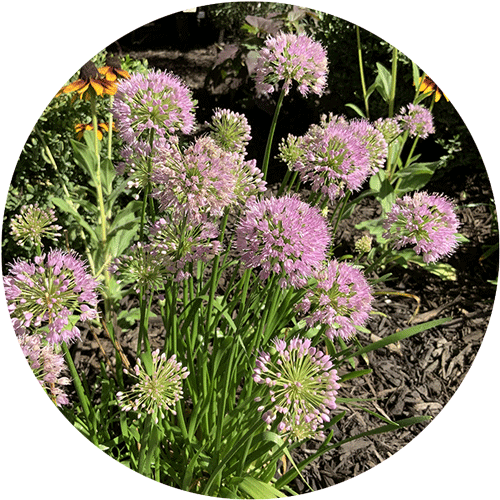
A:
<point x="403" y="334"/>
<point x="257" y="489"/>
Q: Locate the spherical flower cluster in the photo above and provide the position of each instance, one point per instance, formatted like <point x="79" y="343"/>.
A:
<point x="363" y="244"/>
<point x="288" y="57"/>
<point x="50" y="290"/>
<point x="389" y="127"/>
<point x="155" y="391"/>
<point x="157" y="101"/>
<point x="174" y="240"/>
<point x="284" y="236"/>
<point x="32" y="223"/>
<point x="230" y="130"/>
<point x="374" y="141"/>
<point x="179" y="240"/>
<point x="142" y="267"/>
<point x="204" y="178"/>
<point x="417" y="120"/>
<point x="138" y="159"/>
<point x="426" y="221"/>
<point x="341" y="300"/>
<point x="331" y="156"/>
<point x="302" y="387"/>
<point x="47" y="365"/>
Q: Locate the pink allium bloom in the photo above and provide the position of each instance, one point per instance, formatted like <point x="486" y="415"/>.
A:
<point x="341" y="300"/>
<point x="47" y="365"/>
<point x="331" y="156"/>
<point x="288" y="57"/>
<point x="284" y="236"/>
<point x="417" y="120"/>
<point x="374" y="141"/>
<point x="302" y="388"/>
<point x="32" y="223"/>
<point x="157" y="101"/>
<point x="204" y="178"/>
<point x="426" y="221"/>
<point x="230" y="130"/>
<point x="154" y="393"/>
<point x="50" y="290"/>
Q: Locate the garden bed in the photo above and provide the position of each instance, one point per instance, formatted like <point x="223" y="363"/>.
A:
<point x="417" y="377"/>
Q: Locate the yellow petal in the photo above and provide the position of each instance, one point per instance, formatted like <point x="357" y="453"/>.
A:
<point x="122" y="73"/>
<point x="99" y="89"/>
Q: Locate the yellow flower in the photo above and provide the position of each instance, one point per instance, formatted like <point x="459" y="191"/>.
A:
<point x="80" y="128"/>
<point x="90" y="81"/>
<point x="112" y="71"/>
<point x="427" y="86"/>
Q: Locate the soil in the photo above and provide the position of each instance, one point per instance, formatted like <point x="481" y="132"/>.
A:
<point x="417" y="377"/>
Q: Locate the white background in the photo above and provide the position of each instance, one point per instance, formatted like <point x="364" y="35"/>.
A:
<point x="44" y="43"/>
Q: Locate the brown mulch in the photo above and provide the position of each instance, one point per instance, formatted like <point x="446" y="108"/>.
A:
<point x="417" y="377"/>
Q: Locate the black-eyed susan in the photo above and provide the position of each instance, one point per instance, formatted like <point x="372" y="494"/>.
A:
<point x="427" y="86"/>
<point x="80" y="128"/>
<point x="90" y="81"/>
<point x="112" y="71"/>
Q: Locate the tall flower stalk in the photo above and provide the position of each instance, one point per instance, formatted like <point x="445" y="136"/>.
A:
<point x="288" y="58"/>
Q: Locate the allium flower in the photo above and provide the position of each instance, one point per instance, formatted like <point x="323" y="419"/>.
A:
<point x="157" y="101"/>
<point x="284" y="236"/>
<point x="175" y="240"/>
<point x="138" y="160"/>
<point x="426" y="221"/>
<point x="50" y="290"/>
<point x="178" y="239"/>
<point x="417" y="120"/>
<point x="341" y="300"/>
<point x="302" y="387"/>
<point x="363" y="244"/>
<point x="230" y="130"/>
<point x="374" y="141"/>
<point x="33" y="223"/>
<point x="389" y="127"/>
<point x="156" y="391"/>
<point x="204" y="178"/>
<point x="331" y="156"/>
<point x="142" y="267"/>
<point x="47" y="365"/>
<point x="289" y="57"/>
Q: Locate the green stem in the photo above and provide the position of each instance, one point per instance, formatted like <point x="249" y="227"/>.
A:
<point x="147" y="189"/>
<point x="285" y="182"/>
<point x="394" y="73"/>
<point x="341" y="212"/>
<point x="110" y="127"/>
<point x="100" y="196"/>
<point x="362" y="73"/>
<point x="102" y="209"/>
<point x="267" y="154"/>
<point x="68" y="198"/>
<point x="145" y="307"/>
<point x="87" y="410"/>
